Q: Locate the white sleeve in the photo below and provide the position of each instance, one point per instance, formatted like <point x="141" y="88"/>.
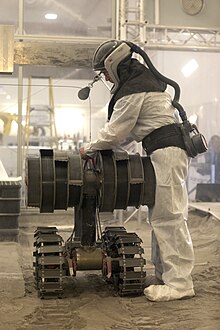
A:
<point x="124" y="118"/>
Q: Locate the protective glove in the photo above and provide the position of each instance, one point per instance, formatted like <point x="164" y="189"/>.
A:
<point x="86" y="155"/>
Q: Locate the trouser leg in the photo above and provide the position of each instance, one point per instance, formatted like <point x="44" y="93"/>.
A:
<point x="168" y="219"/>
<point x="177" y="258"/>
<point x="155" y="257"/>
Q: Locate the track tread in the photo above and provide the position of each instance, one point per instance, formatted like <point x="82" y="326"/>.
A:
<point x="124" y="252"/>
<point x="48" y="264"/>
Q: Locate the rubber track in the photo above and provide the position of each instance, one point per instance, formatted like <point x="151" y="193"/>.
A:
<point x="127" y="262"/>
<point x="48" y="264"/>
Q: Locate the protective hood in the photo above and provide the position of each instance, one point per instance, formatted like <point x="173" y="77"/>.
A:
<point x="134" y="77"/>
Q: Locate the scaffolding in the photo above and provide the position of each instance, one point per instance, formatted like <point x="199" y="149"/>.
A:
<point x="131" y="22"/>
<point x="133" y="26"/>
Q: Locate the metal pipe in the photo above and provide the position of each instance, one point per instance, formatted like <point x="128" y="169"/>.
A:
<point x="89" y="258"/>
<point x="157" y="11"/>
<point x="19" y="134"/>
<point x="142" y="21"/>
<point x="21" y="17"/>
<point x="20" y="93"/>
<point x="123" y="27"/>
<point x="115" y="19"/>
<point x="84" y="42"/>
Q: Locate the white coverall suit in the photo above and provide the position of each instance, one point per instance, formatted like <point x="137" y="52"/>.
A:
<point x="134" y="117"/>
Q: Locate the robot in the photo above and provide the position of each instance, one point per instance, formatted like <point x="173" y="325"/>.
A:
<point x="113" y="180"/>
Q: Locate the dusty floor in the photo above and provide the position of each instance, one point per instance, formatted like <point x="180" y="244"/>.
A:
<point x="90" y="304"/>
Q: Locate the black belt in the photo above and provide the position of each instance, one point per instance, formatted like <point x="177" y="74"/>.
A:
<point x="163" y="137"/>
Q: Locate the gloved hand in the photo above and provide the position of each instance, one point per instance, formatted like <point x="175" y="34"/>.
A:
<point x="85" y="155"/>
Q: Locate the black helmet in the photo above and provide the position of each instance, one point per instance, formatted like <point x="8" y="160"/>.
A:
<point x="108" y="56"/>
<point x="102" y="52"/>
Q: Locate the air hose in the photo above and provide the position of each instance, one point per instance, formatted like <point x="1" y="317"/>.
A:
<point x="194" y="141"/>
<point x="156" y="73"/>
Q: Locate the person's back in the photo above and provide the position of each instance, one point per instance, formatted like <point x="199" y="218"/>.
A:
<point x="154" y="110"/>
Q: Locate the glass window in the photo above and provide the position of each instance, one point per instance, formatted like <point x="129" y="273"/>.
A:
<point x="49" y="90"/>
<point x="9" y="13"/>
<point x="8" y="123"/>
<point x="68" y="17"/>
<point x="200" y="99"/>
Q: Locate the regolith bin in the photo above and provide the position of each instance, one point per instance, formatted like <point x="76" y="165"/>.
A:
<point x="10" y="201"/>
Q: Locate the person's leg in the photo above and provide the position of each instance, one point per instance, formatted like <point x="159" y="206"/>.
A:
<point x="155" y="253"/>
<point x="168" y="220"/>
<point x="155" y="256"/>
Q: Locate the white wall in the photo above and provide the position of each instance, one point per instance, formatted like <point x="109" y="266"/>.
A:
<point x="200" y="92"/>
<point x="172" y="13"/>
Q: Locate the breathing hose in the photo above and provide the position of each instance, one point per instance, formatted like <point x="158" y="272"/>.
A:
<point x="194" y="141"/>
<point x="168" y="81"/>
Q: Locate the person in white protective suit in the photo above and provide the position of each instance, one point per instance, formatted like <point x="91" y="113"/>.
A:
<point x="140" y="107"/>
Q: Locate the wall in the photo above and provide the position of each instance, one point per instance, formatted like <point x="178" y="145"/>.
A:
<point x="171" y="13"/>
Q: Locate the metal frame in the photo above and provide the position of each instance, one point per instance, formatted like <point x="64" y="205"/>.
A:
<point x="177" y="38"/>
<point x="132" y="26"/>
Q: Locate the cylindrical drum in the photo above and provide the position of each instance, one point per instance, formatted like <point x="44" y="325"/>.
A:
<point x="58" y="180"/>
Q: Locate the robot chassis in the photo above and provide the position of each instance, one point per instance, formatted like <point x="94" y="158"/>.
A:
<point x="113" y="180"/>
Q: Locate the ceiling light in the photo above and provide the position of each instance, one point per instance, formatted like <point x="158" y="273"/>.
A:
<point x="189" y="68"/>
<point x="50" y="16"/>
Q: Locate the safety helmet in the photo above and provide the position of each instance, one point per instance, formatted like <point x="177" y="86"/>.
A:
<point x="108" y="56"/>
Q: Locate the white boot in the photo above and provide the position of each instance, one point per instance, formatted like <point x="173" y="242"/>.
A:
<point x="153" y="280"/>
<point x="166" y="293"/>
